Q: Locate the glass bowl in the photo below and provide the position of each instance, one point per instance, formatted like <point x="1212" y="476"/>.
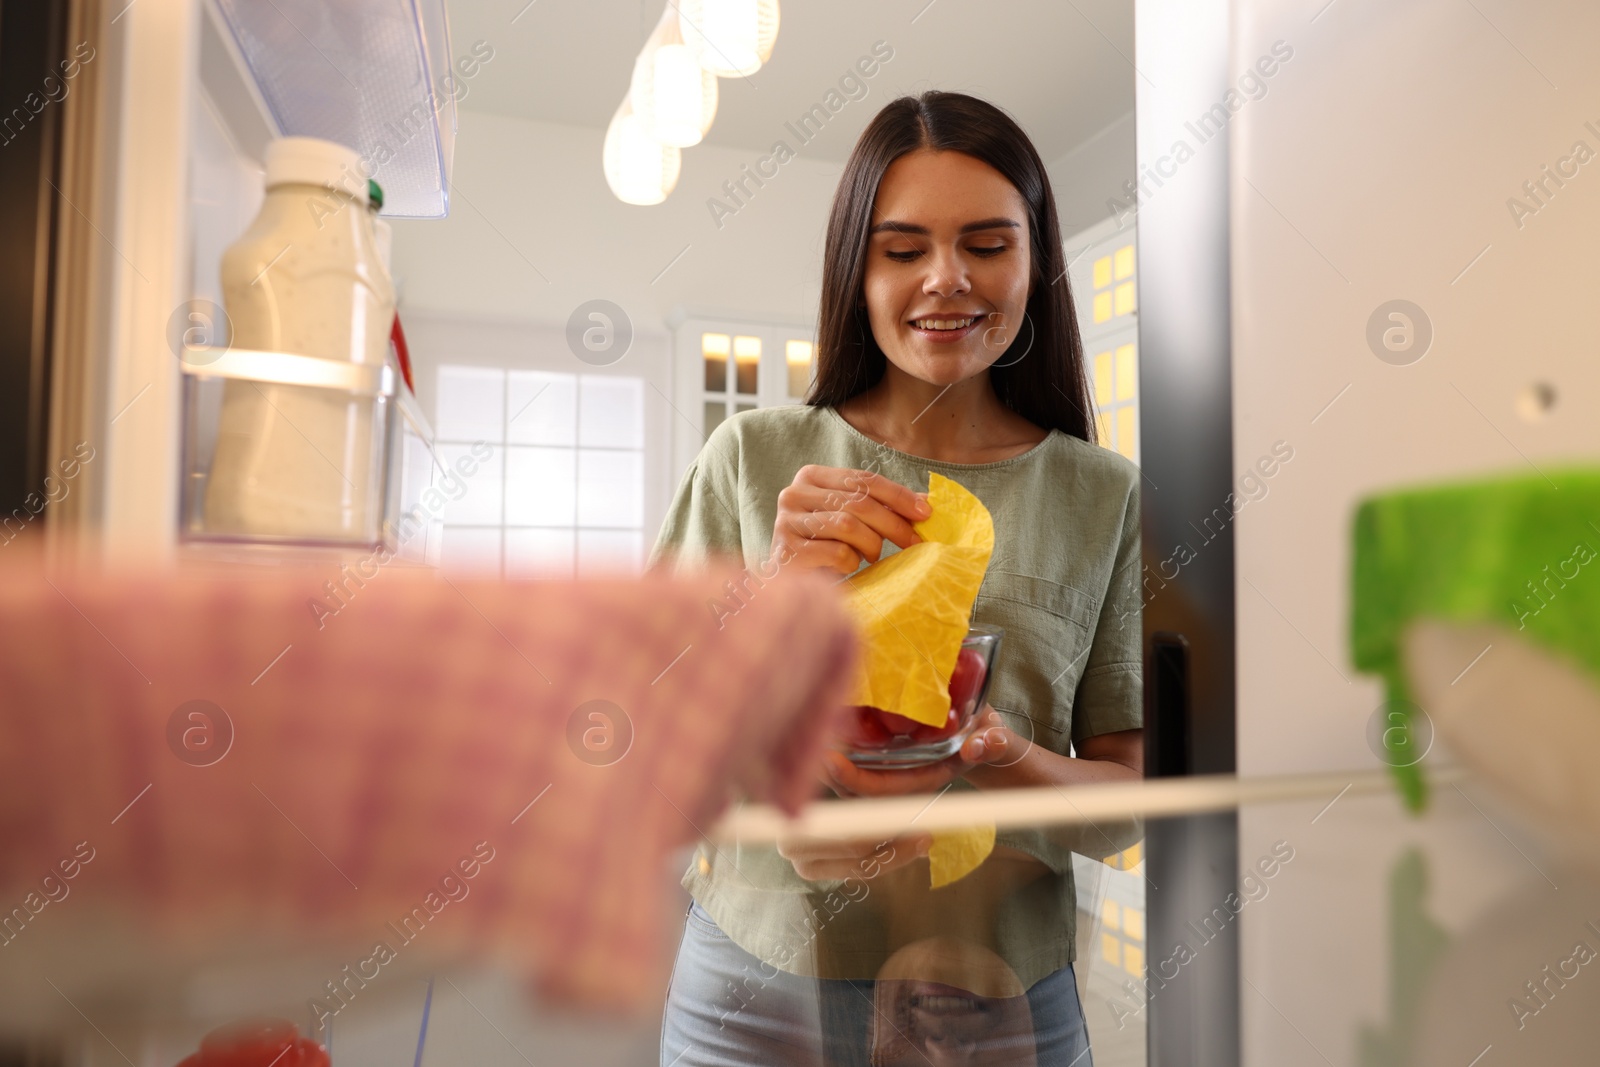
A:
<point x="871" y="737"/>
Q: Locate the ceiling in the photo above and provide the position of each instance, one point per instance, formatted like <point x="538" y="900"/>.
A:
<point x="1062" y="68"/>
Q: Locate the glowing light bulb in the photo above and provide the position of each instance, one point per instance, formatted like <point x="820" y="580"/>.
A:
<point x="671" y="93"/>
<point x="730" y="38"/>
<point x="639" y="169"/>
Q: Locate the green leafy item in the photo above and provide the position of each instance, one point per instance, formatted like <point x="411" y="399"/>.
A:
<point x="1521" y="551"/>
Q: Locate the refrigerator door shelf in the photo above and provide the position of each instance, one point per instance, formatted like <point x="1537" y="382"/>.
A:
<point x="287" y="368"/>
<point x="359" y="442"/>
<point x="370" y="74"/>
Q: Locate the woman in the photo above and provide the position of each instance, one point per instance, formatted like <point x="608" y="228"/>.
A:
<point x="947" y="342"/>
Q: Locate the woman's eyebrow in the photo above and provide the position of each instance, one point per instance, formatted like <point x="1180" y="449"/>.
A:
<point x="911" y="227"/>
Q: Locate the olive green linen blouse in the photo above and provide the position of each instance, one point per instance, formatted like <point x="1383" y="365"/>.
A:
<point x="1063" y="583"/>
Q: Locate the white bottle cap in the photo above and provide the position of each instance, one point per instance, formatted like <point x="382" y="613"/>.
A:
<point x="311" y="161"/>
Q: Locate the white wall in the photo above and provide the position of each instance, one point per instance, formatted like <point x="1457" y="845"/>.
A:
<point x="1091" y="174"/>
<point x="534" y="231"/>
<point x="435" y="339"/>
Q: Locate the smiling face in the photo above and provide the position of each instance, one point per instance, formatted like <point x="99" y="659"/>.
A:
<point x="948" y="266"/>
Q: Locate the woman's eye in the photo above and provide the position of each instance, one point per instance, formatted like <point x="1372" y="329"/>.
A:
<point x="986" y="251"/>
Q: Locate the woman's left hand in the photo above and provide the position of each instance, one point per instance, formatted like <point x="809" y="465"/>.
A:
<point x="990" y="743"/>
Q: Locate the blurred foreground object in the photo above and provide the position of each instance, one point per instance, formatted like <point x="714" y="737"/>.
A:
<point x="1506" y="566"/>
<point x="1525" y="719"/>
<point x="202" y="771"/>
<point x="267" y="1043"/>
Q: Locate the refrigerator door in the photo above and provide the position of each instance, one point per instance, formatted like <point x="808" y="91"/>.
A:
<point x="1412" y="286"/>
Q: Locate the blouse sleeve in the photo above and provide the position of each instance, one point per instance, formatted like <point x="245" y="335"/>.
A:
<point x="703" y="521"/>
<point x="1111" y="692"/>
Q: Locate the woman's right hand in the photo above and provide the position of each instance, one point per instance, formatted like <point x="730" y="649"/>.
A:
<point x="830" y="859"/>
<point x="836" y="517"/>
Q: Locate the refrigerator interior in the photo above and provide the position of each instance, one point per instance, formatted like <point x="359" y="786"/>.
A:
<point x="1386" y="158"/>
<point x="1418" y="160"/>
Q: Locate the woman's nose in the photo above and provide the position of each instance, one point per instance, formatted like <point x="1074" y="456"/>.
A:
<point x="947" y="274"/>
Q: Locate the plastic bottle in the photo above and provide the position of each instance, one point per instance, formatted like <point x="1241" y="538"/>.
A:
<point x="307" y="277"/>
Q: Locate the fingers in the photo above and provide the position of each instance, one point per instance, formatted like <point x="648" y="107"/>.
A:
<point x="852" y="493"/>
<point x="891" y="494"/>
<point x="849" y="780"/>
<point x="811" y="554"/>
<point x="882" y="505"/>
<point x="990" y="742"/>
<point x="807" y="525"/>
<point x="836" y="518"/>
<point x="987" y="746"/>
<point x="817" y="861"/>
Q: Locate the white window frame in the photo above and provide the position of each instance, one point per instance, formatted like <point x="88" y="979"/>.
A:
<point x="689" y="393"/>
<point x="1082" y="250"/>
<point x="504" y="447"/>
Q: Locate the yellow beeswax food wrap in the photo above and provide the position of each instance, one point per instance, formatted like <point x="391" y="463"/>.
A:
<point x="912" y="608"/>
<point x="955" y="854"/>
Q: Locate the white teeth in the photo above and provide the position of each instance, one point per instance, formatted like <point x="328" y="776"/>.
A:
<point x="942" y="324"/>
<point x="944" y="1004"/>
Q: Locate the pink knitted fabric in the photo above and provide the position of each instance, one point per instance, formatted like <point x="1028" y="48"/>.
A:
<point x="401" y="740"/>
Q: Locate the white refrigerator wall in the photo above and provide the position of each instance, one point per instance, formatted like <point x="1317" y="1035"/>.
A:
<point x="1379" y="166"/>
<point x="1384" y="160"/>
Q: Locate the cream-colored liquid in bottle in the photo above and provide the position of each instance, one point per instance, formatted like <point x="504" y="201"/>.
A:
<point x="296" y="462"/>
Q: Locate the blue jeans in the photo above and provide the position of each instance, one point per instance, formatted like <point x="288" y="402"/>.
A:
<point x="726" y="1008"/>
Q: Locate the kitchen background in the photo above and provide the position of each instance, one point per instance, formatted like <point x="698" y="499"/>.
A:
<point x="1356" y="157"/>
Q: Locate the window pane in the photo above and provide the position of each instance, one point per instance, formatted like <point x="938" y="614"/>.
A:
<point x="1102" y="307"/>
<point x="1102" y="272"/>
<point x="797" y="354"/>
<point x="540" y="486"/>
<point x="539" y="553"/>
<point x="468" y="499"/>
<point x="543" y="408"/>
<point x="747" y="360"/>
<point x="471" y="551"/>
<point x="716" y="411"/>
<point x="1124" y="262"/>
<point x="611" y="412"/>
<point x="471" y="404"/>
<point x="610" y="551"/>
<point x="1102" y="378"/>
<point x="743" y="407"/>
<point x="1124" y="298"/>
<point x="1127" y="374"/>
<point x="714" y="348"/>
<point x="1127" y="443"/>
<point x="610" y="488"/>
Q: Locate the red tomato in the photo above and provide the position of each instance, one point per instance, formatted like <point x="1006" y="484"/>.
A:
<point x="925" y="734"/>
<point x="258" y="1043"/>
<point x="966" y="680"/>
<point x="899" y="725"/>
<point x="869" y="727"/>
<point x="864" y="729"/>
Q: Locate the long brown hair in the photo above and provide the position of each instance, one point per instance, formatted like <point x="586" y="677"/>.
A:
<point x="1046" y="385"/>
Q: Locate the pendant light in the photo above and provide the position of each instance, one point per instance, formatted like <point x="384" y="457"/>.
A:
<point x="672" y="94"/>
<point x="639" y="168"/>
<point x="730" y="38"/>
